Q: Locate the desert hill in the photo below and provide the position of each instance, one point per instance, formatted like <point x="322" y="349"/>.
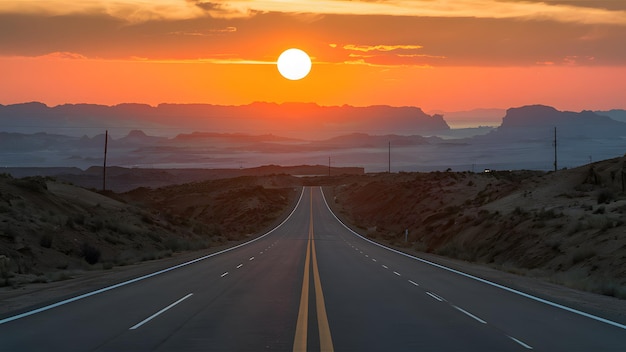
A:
<point x="566" y="227"/>
<point x="51" y="230"/>
<point x="532" y="121"/>
<point x="122" y="179"/>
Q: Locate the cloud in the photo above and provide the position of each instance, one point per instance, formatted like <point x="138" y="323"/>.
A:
<point x="218" y="59"/>
<point x="64" y="55"/>
<point x="145" y="10"/>
<point x="206" y="33"/>
<point x="224" y="9"/>
<point x="385" y="55"/>
<point x="368" y="48"/>
<point x="134" y="11"/>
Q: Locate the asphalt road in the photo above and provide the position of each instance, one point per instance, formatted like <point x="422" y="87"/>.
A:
<point x="310" y="284"/>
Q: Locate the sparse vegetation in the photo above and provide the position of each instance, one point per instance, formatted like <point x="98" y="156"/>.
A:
<point x="48" y="227"/>
<point x="90" y="253"/>
<point x="605" y="196"/>
<point x="538" y="224"/>
<point x="46" y="240"/>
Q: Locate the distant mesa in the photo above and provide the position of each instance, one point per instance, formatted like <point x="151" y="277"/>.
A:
<point x="288" y="119"/>
<point x="525" y="121"/>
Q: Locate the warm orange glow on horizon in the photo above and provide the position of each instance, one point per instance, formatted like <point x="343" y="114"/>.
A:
<point x="465" y="55"/>
<point x="62" y="81"/>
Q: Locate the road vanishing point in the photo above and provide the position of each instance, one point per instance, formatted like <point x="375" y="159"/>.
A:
<point x="310" y="284"/>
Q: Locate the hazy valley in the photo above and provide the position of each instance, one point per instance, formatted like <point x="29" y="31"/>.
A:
<point x="373" y="138"/>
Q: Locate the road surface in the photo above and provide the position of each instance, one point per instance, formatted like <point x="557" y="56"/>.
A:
<point x="310" y="284"/>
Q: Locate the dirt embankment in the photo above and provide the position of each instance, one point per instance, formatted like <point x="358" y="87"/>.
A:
<point x="566" y="227"/>
<point x="52" y="231"/>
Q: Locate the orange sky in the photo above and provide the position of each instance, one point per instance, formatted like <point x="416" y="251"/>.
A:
<point x="431" y="54"/>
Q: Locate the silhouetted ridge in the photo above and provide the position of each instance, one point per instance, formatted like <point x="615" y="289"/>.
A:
<point x="525" y="121"/>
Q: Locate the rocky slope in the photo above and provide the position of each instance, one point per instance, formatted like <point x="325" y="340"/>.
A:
<point x="567" y="226"/>
<point x="51" y="231"/>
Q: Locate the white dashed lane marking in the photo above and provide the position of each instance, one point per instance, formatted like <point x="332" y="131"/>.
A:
<point x="469" y="314"/>
<point x="435" y="296"/>
<point x="528" y="347"/>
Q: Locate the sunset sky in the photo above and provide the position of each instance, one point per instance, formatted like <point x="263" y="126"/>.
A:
<point x="437" y="55"/>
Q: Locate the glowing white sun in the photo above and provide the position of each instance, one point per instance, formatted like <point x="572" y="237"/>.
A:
<point x="294" y="64"/>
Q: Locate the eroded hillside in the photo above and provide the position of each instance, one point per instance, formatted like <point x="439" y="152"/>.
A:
<point x="567" y="226"/>
<point x="50" y="230"/>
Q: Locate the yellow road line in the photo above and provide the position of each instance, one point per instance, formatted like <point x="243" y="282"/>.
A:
<point x="300" y="341"/>
<point x="326" y="341"/>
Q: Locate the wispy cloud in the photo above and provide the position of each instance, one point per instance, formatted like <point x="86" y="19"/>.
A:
<point x="386" y="55"/>
<point x="368" y="48"/>
<point x="144" y="10"/>
<point x="206" y="33"/>
<point x="64" y="55"/>
<point x="221" y="59"/>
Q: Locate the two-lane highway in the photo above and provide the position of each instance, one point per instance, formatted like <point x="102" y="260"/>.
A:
<point x="310" y="284"/>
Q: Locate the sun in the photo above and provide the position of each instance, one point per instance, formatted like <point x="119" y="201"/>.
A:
<point x="294" y="64"/>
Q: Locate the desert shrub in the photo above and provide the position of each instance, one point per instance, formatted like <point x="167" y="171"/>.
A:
<point x="547" y="214"/>
<point x="605" y="196"/>
<point x="69" y="223"/>
<point x="96" y="224"/>
<point x="35" y="184"/>
<point x="79" y="219"/>
<point x="582" y="254"/>
<point x="4" y="270"/>
<point x="90" y="253"/>
<point x="46" y="240"/>
<point x="600" y="210"/>
<point x="539" y="225"/>
<point x="176" y="244"/>
<point x="147" y="219"/>
<point x="519" y="211"/>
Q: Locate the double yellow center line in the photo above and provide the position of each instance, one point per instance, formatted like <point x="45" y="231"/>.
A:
<point x="300" y="341"/>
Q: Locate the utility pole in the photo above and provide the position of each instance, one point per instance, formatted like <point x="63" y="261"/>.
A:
<point x="555" y="164"/>
<point x="104" y="168"/>
<point x="329" y="166"/>
<point x="389" y="158"/>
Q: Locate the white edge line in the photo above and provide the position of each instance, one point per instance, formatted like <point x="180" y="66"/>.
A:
<point x="523" y="294"/>
<point x="112" y="287"/>
<point x="470" y="314"/>
<point x="160" y="312"/>
<point x="526" y="346"/>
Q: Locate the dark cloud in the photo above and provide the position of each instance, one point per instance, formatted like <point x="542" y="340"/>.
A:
<point x="461" y="41"/>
